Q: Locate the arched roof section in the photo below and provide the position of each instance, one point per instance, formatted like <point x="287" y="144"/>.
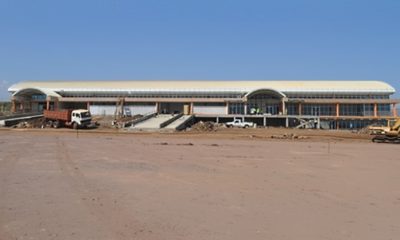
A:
<point x="270" y="91"/>
<point x="32" y="91"/>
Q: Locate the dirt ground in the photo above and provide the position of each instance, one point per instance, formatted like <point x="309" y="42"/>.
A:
<point x="232" y="184"/>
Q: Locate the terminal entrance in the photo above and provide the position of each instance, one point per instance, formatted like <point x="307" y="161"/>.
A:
<point x="174" y="108"/>
<point x="265" y="101"/>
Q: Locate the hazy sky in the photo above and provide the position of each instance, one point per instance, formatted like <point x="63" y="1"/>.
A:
<point x="148" y="39"/>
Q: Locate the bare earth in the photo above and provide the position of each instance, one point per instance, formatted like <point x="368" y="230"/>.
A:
<point x="227" y="185"/>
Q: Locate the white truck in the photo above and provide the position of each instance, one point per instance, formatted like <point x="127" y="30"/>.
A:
<point x="239" y="123"/>
<point x="70" y="118"/>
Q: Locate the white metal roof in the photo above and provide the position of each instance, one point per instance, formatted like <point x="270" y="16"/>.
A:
<point x="208" y="86"/>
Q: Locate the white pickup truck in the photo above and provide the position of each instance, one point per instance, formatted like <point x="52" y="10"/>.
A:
<point x="239" y="123"/>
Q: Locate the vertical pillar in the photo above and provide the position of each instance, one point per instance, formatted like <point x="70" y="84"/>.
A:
<point x="337" y="109"/>
<point x="394" y="110"/>
<point x="287" y="122"/>
<point x="375" y="110"/>
<point x="157" y="107"/>
<point x="13" y="106"/>
<point x="21" y="106"/>
<point x="88" y="105"/>
<point x="300" y="109"/>
<point x="283" y="107"/>
<point x="265" y="121"/>
<point x="191" y="108"/>
<point x="227" y="108"/>
<point x="245" y="108"/>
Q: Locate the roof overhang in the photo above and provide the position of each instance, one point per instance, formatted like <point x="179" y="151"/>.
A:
<point x="31" y="91"/>
<point x="271" y="91"/>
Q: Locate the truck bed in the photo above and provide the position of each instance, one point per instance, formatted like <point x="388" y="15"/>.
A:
<point x="61" y="115"/>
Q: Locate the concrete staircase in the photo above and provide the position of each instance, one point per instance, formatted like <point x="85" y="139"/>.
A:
<point x="154" y="122"/>
<point x="179" y="123"/>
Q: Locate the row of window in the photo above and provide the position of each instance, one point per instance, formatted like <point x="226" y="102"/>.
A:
<point x="313" y="109"/>
<point x="351" y="124"/>
<point x="217" y="95"/>
<point x="155" y="95"/>
<point x="344" y="109"/>
<point x="334" y="96"/>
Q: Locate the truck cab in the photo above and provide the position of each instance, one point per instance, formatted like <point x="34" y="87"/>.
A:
<point x="81" y="117"/>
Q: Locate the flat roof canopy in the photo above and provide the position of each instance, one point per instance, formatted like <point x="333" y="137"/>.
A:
<point x="356" y="87"/>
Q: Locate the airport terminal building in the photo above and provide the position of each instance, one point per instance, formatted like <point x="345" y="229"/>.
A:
<point x="340" y="104"/>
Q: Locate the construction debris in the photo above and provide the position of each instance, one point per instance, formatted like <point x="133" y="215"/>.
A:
<point x="288" y="136"/>
<point x="206" y="126"/>
<point x="33" y="123"/>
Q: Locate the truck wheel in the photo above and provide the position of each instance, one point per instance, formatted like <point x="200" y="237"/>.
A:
<point x="75" y="125"/>
<point x="56" y="124"/>
<point x="246" y="126"/>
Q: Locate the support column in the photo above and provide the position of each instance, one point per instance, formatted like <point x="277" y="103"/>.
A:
<point x="337" y="109"/>
<point x="88" y="105"/>
<point x="47" y="103"/>
<point x="227" y="108"/>
<point x="265" y="121"/>
<point x="56" y="104"/>
<point x="191" y="108"/>
<point x="375" y="110"/>
<point x="13" y="106"/>
<point x="394" y="110"/>
<point x="300" y="109"/>
<point x="287" y="122"/>
<point x="245" y="109"/>
<point x="283" y="107"/>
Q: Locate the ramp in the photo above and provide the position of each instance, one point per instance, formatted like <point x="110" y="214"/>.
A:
<point x="14" y="119"/>
<point x="179" y="123"/>
<point x="153" y="123"/>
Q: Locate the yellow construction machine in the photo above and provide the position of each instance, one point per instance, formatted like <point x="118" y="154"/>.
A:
<point x="380" y="129"/>
<point x="390" y="136"/>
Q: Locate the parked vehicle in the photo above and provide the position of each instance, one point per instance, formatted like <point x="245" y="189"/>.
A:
<point x="70" y="118"/>
<point x="239" y="123"/>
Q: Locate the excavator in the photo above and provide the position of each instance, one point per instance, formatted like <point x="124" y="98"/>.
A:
<point x="391" y="135"/>
<point x="379" y="129"/>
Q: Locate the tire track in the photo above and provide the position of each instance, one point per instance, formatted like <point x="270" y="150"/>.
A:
<point x="103" y="207"/>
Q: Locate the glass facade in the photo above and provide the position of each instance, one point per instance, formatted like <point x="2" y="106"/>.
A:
<point x="292" y="109"/>
<point x="319" y="109"/>
<point x="266" y="103"/>
<point x="384" y="110"/>
<point x="338" y="96"/>
<point x="154" y="94"/>
<point x="39" y="97"/>
<point x="236" y="108"/>
<point x="357" y="124"/>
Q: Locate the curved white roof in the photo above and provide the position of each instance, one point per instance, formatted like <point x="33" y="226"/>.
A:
<point x="208" y="86"/>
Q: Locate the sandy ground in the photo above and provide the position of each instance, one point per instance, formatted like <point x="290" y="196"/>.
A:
<point x="227" y="185"/>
